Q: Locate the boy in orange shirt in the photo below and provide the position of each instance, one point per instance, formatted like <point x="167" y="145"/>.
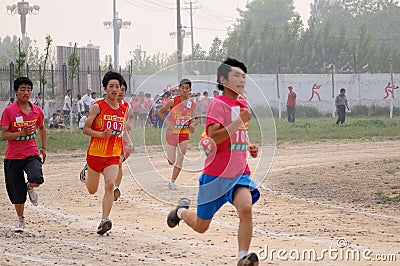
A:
<point x="105" y="126"/>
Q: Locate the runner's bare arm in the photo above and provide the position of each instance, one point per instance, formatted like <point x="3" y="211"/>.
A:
<point x="219" y="135"/>
<point x="87" y="130"/>
<point x="164" y="109"/>
<point x="5" y="135"/>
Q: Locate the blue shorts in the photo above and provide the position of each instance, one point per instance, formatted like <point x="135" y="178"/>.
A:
<point x="215" y="191"/>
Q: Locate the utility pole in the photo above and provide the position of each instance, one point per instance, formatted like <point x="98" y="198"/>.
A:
<point x="117" y="24"/>
<point x="191" y="27"/>
<point x="191" y="8"/>
<point x="116" y="37"/>
<point x="179" y="38"/>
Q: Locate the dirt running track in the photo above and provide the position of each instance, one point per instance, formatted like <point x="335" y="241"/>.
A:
<point x="317" y="194"/>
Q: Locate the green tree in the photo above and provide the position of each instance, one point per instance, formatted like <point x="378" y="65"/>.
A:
<point x="216" y="52"/>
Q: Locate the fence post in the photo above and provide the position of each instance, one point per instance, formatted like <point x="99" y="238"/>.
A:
<point x="40" y="78"/>
<point x="64" y="77"/>
<point x="27" y="70"/>
<point x="11" y="78"/>
<point x="52" y="81"/>
<point x="100" y="78"/>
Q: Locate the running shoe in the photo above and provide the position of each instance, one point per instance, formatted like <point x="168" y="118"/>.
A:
<point x="250" y="259"/>
<point x="172" y="186"/>
<point x="33" y="197"/>
<point x="104" y="226"/>
<point x="19" y="228"/>
<point x="117" y="193"/>
<point x="82" y="175"/>
<point x="173" y="219"/>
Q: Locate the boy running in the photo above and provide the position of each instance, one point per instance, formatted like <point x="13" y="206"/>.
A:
<point x="127" y="145"/>
<point x="105" y="125"/>
<point x="226" y="175"/>
<point x="182" y="111"/>
<point x="19" y="122"/>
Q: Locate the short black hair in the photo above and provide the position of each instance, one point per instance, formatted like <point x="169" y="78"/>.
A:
<point x="111" y="75"/>
<point x="124" y="84"/>
<point x="226" y="67"/>
<point x="185" y="81"/>
<point x="22" y="80"/>
<point x="342" y="90"/>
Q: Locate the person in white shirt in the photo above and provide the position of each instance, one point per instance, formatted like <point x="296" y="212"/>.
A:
<point x="67" y="106"/>
<point x="87" y="100"/>
<point x="80" y="106"/>
<point x="93" y="98"/>
<point x="83" y="119"/>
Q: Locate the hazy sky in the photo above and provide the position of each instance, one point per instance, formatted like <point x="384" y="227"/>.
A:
<point x="81" y="21"/>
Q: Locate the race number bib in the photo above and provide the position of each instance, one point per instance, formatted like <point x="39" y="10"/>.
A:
<point x="115" y="123"/>
<point x="181" y="124"/>
<point x="19" y="124"/>
<point x="239" y="140"/>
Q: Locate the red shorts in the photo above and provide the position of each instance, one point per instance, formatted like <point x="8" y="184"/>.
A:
<point x="175" y="139"/>
<point x="98" y="164"/>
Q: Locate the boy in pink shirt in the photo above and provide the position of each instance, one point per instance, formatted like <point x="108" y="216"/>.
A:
<point x="226" y="175"/>
<point x="19" y="122"/>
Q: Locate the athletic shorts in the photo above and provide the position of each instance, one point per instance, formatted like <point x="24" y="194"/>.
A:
<point x="215" y="191"/>
<point x="15" y="179"/>
<point x="98" y="164"/>
<point x="175" y="139"/>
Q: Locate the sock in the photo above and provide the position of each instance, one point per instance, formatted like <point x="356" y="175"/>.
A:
<point x="172" y="181"/>
<point x="21" y="218"/>
<point x="115" y="187"/>
<point x="242" y="253"/>
<point x="179" y="212"/>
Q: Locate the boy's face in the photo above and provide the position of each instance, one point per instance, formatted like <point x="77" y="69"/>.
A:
<point x="113" y="89"/>
<point x="24" y="93"/>
<point x="184" y="90"/>
<point x="121" y="95"/>
<point x="236" y="80"/>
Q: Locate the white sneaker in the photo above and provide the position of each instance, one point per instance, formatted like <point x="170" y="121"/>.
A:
<point x="19" y="228"/>
<point x="33" y="197"/>
<point x="172" y="186"/>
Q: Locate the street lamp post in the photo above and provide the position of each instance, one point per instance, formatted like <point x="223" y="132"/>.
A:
<point x="23" y="8"/>
<point x="116" y="24"/>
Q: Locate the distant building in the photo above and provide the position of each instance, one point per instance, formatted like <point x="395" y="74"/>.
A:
<point x="88" y="74"/>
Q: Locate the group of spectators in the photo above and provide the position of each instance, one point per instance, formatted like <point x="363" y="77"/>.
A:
<point x="144" y="107"/>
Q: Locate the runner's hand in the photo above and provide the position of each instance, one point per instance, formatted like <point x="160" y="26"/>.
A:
<point x="106" y="133"/>
<point x="253" y="149"/>
<point x="43" y="153"/>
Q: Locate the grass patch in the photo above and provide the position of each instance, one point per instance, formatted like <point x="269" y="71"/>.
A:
<point x="383" y="199"/>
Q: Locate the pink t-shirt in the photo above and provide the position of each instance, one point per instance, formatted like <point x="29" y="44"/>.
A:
<point x="16" y="119"/>
<point x="229" y="159"/>
<point x="205" y="102"/>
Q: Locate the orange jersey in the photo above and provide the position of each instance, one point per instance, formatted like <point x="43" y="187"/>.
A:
<point x="181" y="115"/>
<point x="108" y="118"/>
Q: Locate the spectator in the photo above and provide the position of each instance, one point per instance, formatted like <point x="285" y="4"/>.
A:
<point x="87" y="100"/>
<point x="93" y="99"/>
<point x="80" y="106"/>
<point x="291" y="105"/>
<point x="39" y="100"/>
<point x="205" y="102"/>
<point x="83" y="120"/>
<point x="341" y="105"/>
<point x="67" y="106"/>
